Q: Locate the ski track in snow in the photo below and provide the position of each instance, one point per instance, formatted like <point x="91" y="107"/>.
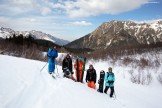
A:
<point x="22" y="85"/>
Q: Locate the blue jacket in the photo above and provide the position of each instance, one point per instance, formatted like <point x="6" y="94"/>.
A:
<point x="109" y="79"/>
<point x="52" y="55"/>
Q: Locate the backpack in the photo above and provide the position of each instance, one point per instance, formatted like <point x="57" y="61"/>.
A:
<point x="108" y="74"/>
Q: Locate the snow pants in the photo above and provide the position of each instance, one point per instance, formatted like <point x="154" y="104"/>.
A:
<point x="79" y="77"/>
<point x="51" y="67"/>
<point x="91" y="84"/>
<point x="112" y="90"/>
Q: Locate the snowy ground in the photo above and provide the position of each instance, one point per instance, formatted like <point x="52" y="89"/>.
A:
<point x="23" y="86"/>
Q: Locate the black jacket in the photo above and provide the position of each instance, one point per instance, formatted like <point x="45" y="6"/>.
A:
<point x="91" y="75"/>
<point x="67" y="63"/>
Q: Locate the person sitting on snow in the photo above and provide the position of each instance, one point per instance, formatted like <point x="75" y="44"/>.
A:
<point x="109" y="81"/>
<point x="91" y="77"/>
<point x="67" y="67"/>
<point x="52" y="54"/>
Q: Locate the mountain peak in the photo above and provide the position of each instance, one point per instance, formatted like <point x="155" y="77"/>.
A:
<point x="121" y="33"/>
<point x="7" y="32"/>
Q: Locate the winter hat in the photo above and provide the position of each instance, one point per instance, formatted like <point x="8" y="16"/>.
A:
<point x="68" y="55"/>
<point x="81" y="59"/>
<point x="110" y="69"/>
<point x="90" y="65"/>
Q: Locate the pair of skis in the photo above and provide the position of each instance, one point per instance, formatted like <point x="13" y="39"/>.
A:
<point x="57" y="76"/>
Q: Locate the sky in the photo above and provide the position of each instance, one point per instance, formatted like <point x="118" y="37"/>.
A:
<point x="72" y="19"/>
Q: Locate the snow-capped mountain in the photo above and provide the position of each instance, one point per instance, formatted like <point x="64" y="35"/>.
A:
<point x="7" y="32"/>
<point x="121" y="33"/>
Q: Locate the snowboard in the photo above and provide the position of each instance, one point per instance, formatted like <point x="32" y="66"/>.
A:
<point x="83" y="70"/>
<point x="77" y="69"/>
<point x="101" y="81"/>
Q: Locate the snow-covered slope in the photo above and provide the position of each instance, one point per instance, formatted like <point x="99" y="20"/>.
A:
<point x="7" y="32"/>
<point x="23" y="86"/>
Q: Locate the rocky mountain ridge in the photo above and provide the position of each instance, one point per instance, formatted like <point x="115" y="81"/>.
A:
<point x="120" y="34"/>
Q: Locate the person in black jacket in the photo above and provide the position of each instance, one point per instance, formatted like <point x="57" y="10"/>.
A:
<point x="91" y="77"/>
<point x="67" y="67"/>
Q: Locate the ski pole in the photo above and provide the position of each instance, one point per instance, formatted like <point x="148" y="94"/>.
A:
<point x="57" y="71"/>
<point x="56" y="68"/>
<point x="114" y="94"/>
<point x="43" y="67"/>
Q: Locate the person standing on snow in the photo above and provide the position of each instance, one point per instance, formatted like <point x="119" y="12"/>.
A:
<point x="109" y="81"/>
<point x="67" y="67"/>
<point x="91" y="77"/>
<point x="79" y="68"/>
<point x="52" y="54"/>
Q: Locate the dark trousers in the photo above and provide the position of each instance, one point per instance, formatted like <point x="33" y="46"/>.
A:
<point x="111" y="88"/>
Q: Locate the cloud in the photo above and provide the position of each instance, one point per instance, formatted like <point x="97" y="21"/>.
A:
<point x="22" y="2"/>
<point x="21" y="7"/>
<point x="86" y="8"/>
<point x="47" y="24"/>
<point x="72" y="8"/>
<point x="45" y="11"/>
<point x="32" y="20"/>
<point x="81" y="23"/>
<point x="152" y="2"/>
<point x="15" y="7"/>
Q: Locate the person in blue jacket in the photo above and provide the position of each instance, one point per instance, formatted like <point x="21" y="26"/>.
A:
<point x="52" y="55"/>
<point x="109" y="81"/>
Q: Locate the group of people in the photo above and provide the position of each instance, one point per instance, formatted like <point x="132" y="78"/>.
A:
<point x="91" y="76"/>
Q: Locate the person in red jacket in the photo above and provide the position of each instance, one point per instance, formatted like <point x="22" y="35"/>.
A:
<point x="79" y="67"/>
<point x="91" y="77"/>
